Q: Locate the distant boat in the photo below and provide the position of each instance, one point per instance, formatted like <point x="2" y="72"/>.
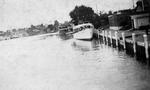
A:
<point x="65" y="30"/>
<point x="83" y="31"/>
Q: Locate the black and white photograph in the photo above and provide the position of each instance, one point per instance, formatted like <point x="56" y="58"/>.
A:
<point x="74" y="44"/>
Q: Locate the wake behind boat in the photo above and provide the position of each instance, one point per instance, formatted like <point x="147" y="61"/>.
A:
<point x="83" y="31"/>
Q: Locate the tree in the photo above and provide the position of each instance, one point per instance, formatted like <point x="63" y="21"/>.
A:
<point x="96" y="21"/>
<point x="100" y="20"/>
<point x="110" y="12"/>
<point x="32" y="27"/>
<point x="56" y="24"/>
<point x="50" y="28"/>
<point x="82" y="14"/>
<point x="14" y="30"/>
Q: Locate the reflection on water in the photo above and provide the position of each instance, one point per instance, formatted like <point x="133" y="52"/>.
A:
<point x="86" y="45"/>
<point x="65" y="36"/>
<point x="50" y="63"/>
<point x="115" y="69"/>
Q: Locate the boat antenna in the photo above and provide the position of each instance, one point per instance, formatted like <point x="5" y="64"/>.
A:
<point x="143" y="5"/>
<point x="133" y="4"/>
<point x="96" y="8"/>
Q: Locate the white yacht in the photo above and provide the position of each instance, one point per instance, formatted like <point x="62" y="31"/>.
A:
<point x="83" y="31"/>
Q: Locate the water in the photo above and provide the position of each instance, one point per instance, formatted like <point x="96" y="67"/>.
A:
<point x="51" y="63"/>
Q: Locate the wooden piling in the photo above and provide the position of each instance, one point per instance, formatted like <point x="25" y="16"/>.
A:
<point x="103" y="36"/>
<point x="123" y="39"/>
<point x="98" y="33"/>
<point x="116" y="36"/>
<point x="110" y="37"/>
<point x="134" y="42"/>
<point x="146" y="46"/>
<point x="106" y="37"/>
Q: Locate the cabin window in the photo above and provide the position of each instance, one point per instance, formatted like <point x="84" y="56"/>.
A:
<point x="88" y="26"/>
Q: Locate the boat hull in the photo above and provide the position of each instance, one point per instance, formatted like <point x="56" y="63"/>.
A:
<point x="86" y="34"/>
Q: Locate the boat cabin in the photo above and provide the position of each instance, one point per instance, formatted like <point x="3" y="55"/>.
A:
<point x="64" y="29"/>
<point x="82" y="27"/>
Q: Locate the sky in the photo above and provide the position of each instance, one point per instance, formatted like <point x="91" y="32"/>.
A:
<point x="23" y="13"/>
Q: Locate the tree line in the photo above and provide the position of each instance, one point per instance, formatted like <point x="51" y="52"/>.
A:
<point x="82" y="14"/>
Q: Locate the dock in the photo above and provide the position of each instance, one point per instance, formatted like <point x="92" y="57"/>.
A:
<point x="134" y="43"/>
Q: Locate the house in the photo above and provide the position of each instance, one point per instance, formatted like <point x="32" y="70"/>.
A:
<point x="141" y="17"/>
<point x="131" y="18"/>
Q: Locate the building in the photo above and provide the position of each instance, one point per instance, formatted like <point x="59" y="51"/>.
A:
<point x="132" y="18"/>
<point x="141" y="17"/>
<point x="120" y="19"/>
<point x="139" y="20"/>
